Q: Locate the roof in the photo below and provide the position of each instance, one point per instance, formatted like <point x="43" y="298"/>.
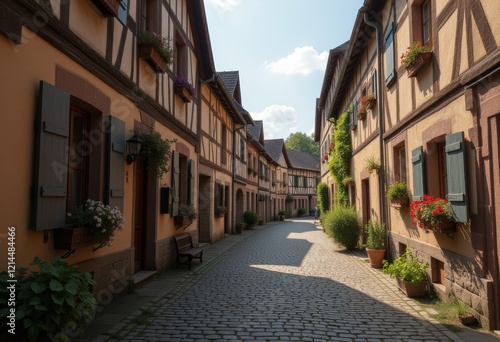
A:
<point x="274" y="147"/>
<point x="231" y="80"/>
<point x="303" y="160"/>
<point x="255" y="130"/>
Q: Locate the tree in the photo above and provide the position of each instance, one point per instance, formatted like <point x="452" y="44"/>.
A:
<point x="301" y="142"/>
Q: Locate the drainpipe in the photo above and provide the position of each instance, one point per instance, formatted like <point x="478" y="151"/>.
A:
<point x="378" y="29"/>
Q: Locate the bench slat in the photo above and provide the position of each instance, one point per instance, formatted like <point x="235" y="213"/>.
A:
<point x="184" y="245"/>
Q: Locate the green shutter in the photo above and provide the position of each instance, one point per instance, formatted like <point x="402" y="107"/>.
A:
<point x="374" y="83"/>
<point x="51" y="158"/>
<point x="456" y="181"/>
<point x="175" y="183"/>
<point x="390" y="70"/>
<point x="115" y="164"/>
<point x="417" y="160"/>
<point x="191" y="182"/>
<point x="355" y="114"/>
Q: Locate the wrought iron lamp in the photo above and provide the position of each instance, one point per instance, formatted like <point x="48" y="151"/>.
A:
<point x="133" y="148"/>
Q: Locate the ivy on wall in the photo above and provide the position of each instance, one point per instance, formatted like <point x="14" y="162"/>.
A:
<point x="322" y="194"/>
<point x="340" y="162"/>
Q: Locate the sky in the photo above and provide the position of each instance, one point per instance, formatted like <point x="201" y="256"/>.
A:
<point x="280" y="48"/>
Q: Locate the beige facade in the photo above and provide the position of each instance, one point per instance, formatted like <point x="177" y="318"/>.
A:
<point x="431" y="136"/>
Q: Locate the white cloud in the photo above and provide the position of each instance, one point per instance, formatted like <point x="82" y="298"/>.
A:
<point x="277" y="120"/>
<point x="303" y="60"/>
<point x="223" y="6"/>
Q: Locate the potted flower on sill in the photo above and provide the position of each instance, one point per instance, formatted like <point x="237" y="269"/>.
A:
<point x="372" y="164"/>
<point x="370" y="101"/>
<point x="187" y="214"/>
<point x="375" y="243"/>
<point x="240" y="225"/>
<point x="398" y="194"/>
<point x="155" y="50"/>
<point x="432" y="213"/>
<point x="220" y="210"/>
<point x="361" y="114"/>
<point x="282" y="214"/>
<point x="92" y="223"/>
<point x="409" y="273"/>
<point x="349" y="180"/>
<point x="184" y="89"/>
<point x="250" y="170"/>
<point x="415" y="57"/>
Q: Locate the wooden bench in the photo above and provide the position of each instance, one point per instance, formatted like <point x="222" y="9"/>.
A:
<point x="185" y="249"/>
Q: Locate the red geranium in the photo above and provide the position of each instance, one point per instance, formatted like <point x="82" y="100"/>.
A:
<point x="430" y="213"/>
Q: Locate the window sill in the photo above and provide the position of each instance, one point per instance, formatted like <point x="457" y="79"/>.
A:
<point x="108" y="8"/>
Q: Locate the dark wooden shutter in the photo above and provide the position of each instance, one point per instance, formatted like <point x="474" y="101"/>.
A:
<point x="115" y="164"/>
<point x="456" y="180"/>
<point x="191" y="182"/>
<point x="123" y="12"/>
<point x="175" y="183"/>
<point x="51" y="158"/>
<point x="417" y="160"/>
<point x="390" y="70"/>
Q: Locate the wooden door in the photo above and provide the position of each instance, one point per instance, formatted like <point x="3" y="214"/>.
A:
<point x="140" y="204"/>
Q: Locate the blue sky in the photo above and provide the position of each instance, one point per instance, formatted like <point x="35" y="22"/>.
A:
<point x="280" y="48"/>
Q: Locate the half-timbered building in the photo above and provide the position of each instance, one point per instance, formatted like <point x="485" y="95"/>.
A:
<point x="303" y="178"/>
<point x="280" y="164"/>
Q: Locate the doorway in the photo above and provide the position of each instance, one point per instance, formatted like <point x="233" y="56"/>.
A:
<point x="140" y="210"/>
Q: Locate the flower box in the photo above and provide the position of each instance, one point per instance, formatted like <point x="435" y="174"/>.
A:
<point x="447" y="227"/>
<point x="400" y="202"/>
<point x="73" y="238"/>
<point x="412" y="290"/>
<point x="418" y="63"/>
<point x="183" y="92"/>
<point x="370" y="104"/>
<point x="361" y="115"/>
<point x="181" y="221"/>
<point x="153" y="57"/>
<point x="219" y="215"/>
<point x="108" y="8"/>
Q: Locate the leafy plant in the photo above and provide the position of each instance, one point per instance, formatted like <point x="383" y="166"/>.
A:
<point x="301" y="211"/>
<point x="430" y="213"/>
<point x="251" y="218"/>
<point x="289" y="199"/>
<point x="54" y="300"/>
<point x="412" y="53"/>
<point x="157" y="151"/>
<point x="160" y="43"/>
<point x="376" y="235"/>
<point x="182" y="81"/>
<point x="101" y="220"/>
<point x="340" y="162"/>
<point x="406" y="267"/>
<point x="282" y="212"/>
<point x="348" y="180"/>
<point x="188" y="211"/>
<point x="342" y="224"/>
<point x="322" y="194"/>
<point x="220" y="209"/>
<point x="397" y="190"/>
<point x="372" y="164"/>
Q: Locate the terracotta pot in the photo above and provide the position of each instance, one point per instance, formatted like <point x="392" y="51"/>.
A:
<point x="153" y="57"/>
<point x="400" y="202"/>
<point x="375" y="256"/>
<point x="412" y="290"/>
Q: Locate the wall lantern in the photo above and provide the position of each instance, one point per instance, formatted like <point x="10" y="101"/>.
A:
<point x="133" y="148"/>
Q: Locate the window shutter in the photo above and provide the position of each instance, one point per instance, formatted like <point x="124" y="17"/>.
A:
<point x="374" y="83"/>
<point x="417" y="160"/>
<point x="175" y="183"/>
<point x="123" y="11"/>
<point x="51" y="161"/>
<point x="115" y="164"/>
<point x="390" y="70"/>
<point x="355" y="114"/>
<point x="191" y="182"/>
<point x="456" y="181"/>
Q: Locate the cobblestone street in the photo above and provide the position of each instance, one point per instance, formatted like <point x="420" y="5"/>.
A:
<point x="286" y="282"/>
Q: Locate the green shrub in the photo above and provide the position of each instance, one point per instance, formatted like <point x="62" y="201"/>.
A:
<point x="376" y="235"/>
<point x="250" y="218"/>
<point x="340" y="162"/>
<point x="56" y="300"/>
<point x="323" y="201"/>
<point x="397" y="190"/>
<point x="282" y="212"/>
<point x="342" y="224"/>
<point x="301" y="211"/>
<point x="406" y="267"/>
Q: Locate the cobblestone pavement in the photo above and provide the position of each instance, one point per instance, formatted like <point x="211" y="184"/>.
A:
<point x="287" y="282"/>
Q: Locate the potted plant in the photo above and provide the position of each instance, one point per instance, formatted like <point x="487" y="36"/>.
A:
<point x="370" y="101"/>
<point x="250" y="170"/>
<point x="415" y="57"/>
<point x="375" y="243"/>
<point x="289" y="199"/>
<point x="362" y="108"/>
<point x="220" y="210"/>
<point x="99" y="222"/>
<point x="184" y="89"/>
<point x="282" y="214"/>
<point x="250" y="218"/>
<point x="187" y="214"/>
<point x="349" y="180"/>
<point x="432" y="213"/>
<point x="157" y="151"/>
<point x="409" y="273"/>
<point x="51" y="303"/>
<point x="372" y="164"/>
<point x="240" y="225"/>
<point x="398" y="194"/>
<point x="155" y="50"/>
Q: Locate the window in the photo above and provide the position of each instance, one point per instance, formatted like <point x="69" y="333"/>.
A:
<point x="400" y="163"/>
<point x="445" y="173"/>
<point x="304" y="181"/>
<point x="183" y="174"/>
<point x="390" y="68"/>
<point x="421" y="22"/>
<point x="296" y="181"/>
<point x="78" y="154"/>
<point x="180" y="56"/>
<point x="224" y="145"/>
<point x="242" y="149"/>
<point x="438" y="275"/>
<point x="122" y="11"/>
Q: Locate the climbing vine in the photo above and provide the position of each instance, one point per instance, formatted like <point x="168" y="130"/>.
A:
<point x="340" y="162"/>
<point x="322" y="193"/>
